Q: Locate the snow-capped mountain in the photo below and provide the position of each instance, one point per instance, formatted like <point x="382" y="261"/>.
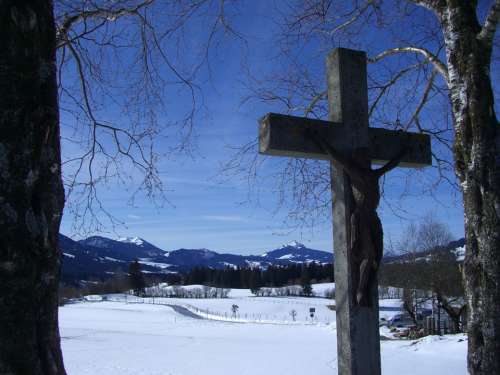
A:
<point x="98" y="256"/>
<point x="83" y="261"/>
<point x="295" y="252"/>
<point x="129" y="247"/>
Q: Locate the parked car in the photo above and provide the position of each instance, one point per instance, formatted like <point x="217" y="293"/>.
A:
<point x="400" y="320"/>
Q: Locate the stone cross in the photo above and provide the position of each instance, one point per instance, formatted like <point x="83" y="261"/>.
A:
<point x="358" y="339"/>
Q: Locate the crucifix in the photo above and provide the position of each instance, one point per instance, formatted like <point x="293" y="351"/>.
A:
<point x="352" y="147"/>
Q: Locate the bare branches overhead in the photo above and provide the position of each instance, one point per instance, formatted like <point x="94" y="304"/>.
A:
<point x="107" y="12"/>
<point x="488" y="30"/>
<point x="408" y="84"/>
<point x="129" y="93"/>
<point x="433" y="59"/>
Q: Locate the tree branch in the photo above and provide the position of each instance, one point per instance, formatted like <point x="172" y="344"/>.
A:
<point x="360" y="11"/>
<point x="314" y="101"/>
<point x="429" y="56"/>
<point x="433" y="5"/>
<point x="383" y="88"/>
<point x="107" y="14"/>
<point x="490" y="24"/>
<point x="425" y="97"/>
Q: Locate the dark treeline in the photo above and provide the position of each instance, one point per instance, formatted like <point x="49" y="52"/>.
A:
<point x="441" y="274"/>
<point x="253" y="278"/>
<point x="229" y="277"/>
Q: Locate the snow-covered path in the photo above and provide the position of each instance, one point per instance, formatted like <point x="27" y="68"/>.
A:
<point x="117" y="338"/>
<point x="185" y="312"/>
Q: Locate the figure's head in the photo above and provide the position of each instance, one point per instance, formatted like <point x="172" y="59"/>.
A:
<point x="361" y="156"/>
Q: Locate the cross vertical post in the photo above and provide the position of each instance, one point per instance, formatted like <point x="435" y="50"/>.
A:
<point x="351" y="146"/>
<point x="358" y="337"/>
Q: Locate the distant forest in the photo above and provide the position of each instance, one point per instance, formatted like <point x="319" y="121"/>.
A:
<point x="252" y="278"/>
<point x="229" y="277"/>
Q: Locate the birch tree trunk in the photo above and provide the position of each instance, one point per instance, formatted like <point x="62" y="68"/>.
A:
<point x="477" y="164"/>
<point x="31" y="191"/>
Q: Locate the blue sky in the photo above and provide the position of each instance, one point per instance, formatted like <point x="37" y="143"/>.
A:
<point x="206" y="210"/>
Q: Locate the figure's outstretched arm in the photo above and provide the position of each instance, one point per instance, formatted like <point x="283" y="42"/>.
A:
<point x="393" y="163"/>
<point x="350" y="167"/>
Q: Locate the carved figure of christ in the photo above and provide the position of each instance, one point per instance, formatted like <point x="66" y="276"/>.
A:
<point x="352" y="147"/>
<point x="366" y="245"/>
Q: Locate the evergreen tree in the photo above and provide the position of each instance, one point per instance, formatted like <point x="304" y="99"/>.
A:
<point x="255" y="282"/>
<point x="305" y="282"/>
<point x="136" y="278"/>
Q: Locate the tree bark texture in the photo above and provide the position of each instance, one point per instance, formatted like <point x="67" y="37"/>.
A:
<point x="477" y="164"/>
<point x="31" y="191"/>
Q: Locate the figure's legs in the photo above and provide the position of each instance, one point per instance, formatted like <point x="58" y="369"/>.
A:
<point x="367" y="262"/>
<point x="364" y="275"/>
<point x="355" y="233"/>
<point x="356" y="251"/>
<point x="372" y="244"/>
<point x="377" y="236"/>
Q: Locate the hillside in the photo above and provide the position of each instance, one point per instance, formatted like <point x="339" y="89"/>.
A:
<point x="101" y="257"/>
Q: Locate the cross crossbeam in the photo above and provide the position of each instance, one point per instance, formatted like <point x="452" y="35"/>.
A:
<point x="283" y="135"/>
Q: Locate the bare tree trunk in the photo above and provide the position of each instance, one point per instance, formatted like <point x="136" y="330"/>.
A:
<point x="453" y="312"/>
<point x="409" y="304"/>
<point x="31" y="191"/>
<point x="477" y="164"/>
<point x="438" y="324"/>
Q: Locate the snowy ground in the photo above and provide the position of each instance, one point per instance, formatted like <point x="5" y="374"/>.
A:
<point x="264" y="309"/>
<point x="119" y="338"/>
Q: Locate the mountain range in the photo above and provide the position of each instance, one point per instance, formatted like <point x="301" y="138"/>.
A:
<point x="101" y="257"/>
<point x="98" y="257"/>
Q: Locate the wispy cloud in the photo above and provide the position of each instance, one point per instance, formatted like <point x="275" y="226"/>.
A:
<point x="231" y="218"/>
<point x="134" y="217"/>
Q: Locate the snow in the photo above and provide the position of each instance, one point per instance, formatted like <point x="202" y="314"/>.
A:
<point x="154" y="264"/>
<point x="268" y="309"/>
<point x="262" y="309"/>
<point x="135" y="240"/>
<point x="320" y="289"/>
<point x="93" y="298"/>
<point x="429" y="355"/>
<point x="460" y="253"/>
<point x="287" y="256"/>
<point x="119" y="338"/>
<point x="253" y="264"/>
<point x="207" y="253"/>
<point x="68" y="255"/>
<point x="293" y="244"/>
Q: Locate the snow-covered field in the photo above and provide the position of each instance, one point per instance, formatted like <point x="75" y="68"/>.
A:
<point x="120" y="338"/>
<point x="264" y="309"/>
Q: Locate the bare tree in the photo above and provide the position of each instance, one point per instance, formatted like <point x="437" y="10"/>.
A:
<point x="102" y="67"/>
<point x="428" y="271"/>
<point x="32" y="196"/>
<point x="432" y="233"/>
<point x="124" y="68"/>
<point x="410" y="304"/>
<point x="446" y="284"/>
